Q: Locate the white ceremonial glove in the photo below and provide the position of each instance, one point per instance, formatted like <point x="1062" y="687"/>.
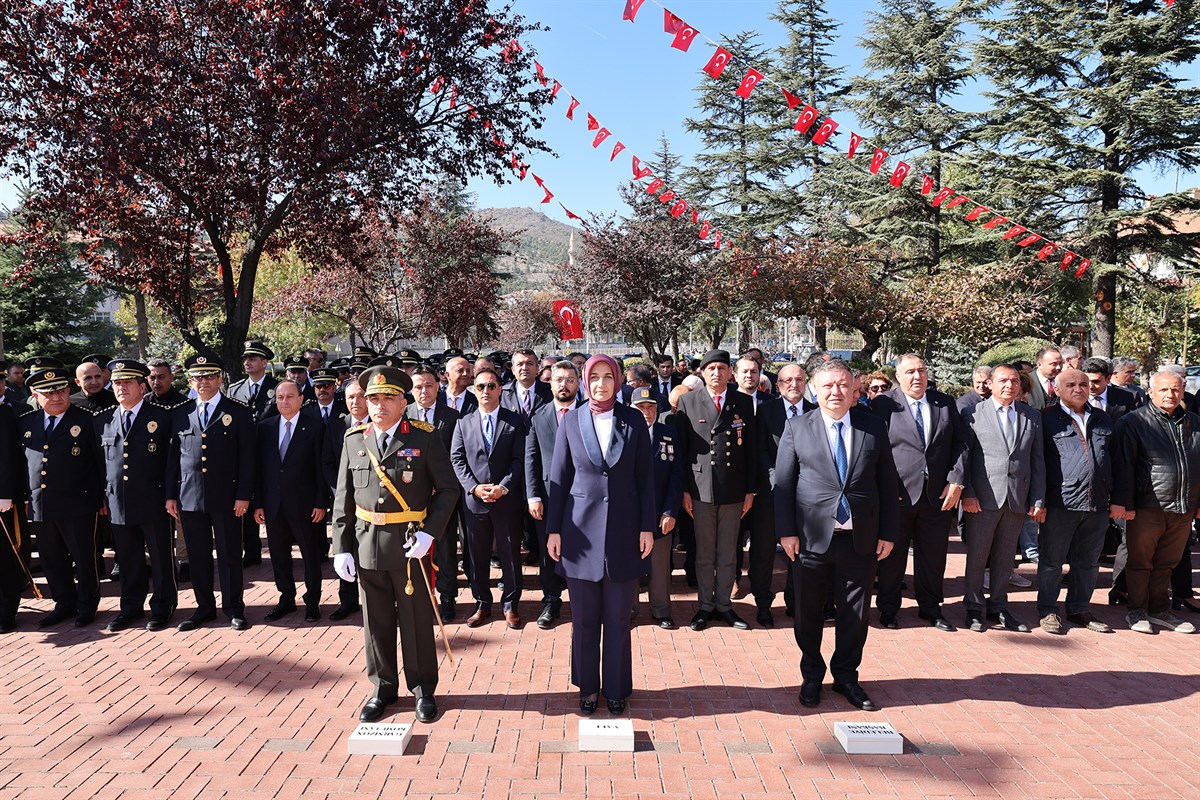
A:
<point x="420" y="547"/>
<point x="6" y="506"/>
<point x="343" y="565"/>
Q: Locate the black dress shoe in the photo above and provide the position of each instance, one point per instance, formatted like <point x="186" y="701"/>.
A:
<point x="312" y="613"/>
<point x="56" y="616"/>
<point x="765" y="618"/>
<point x="856" y="696"/>
<point x="156" y="624"/>
<point x="1189" y="603"/>
<point x="889" y="621"/>
<point x="280" y="611"/>
<point x="250" y="560"/>
<point x="8" y="624"/>
<point x="587" y="705"/>
<point x="830" y="612"/>
<point x="975" y="622"/>
<point x="810" y="694"/>
<point x="1117" y="598"/>
<point x="616" y="707"/>
<point x="733" y="620"/>
<point x="939" y="622"/>
<point x="374" y="709"/>
<point x="449" y="614"/>
<point x="545" y="620"/>
<point x="1011" y="623"/>
<point x="122" y="621"/>
<point x="666" y="623"/>
<point x="426" y="708"/>
<point x="701" y="620"/>
<point x="196" y="621"/>
<point x="85" y="618"/>
<point x="341" y="612"/>
<point x="239" y="623"/>
<point x="789" y="612"/>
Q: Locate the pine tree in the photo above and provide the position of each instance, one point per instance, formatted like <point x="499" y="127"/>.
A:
<point x="1086" y="95"/>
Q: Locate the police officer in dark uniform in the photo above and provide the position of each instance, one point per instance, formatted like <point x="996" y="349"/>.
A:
<point x="256" y="390"/>
<point x="383" y="530"/>
<point x="135" y="440"/>
<point x="162" y="385"/>
<point x="64" y="470"/>
<point x="296" y="369"/>
<point x="328" y="406"/>
<point x="210" y="480"/>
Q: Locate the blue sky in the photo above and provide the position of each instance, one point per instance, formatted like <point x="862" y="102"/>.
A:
<point x="639" y="87"/>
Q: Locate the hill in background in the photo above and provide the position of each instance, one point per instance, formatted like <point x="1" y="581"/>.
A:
<point x="542" y="247"/>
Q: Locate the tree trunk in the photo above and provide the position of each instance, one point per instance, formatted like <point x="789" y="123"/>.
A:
<point x="1104" y="326"/>
<point x="872" y="338"/>
<point x="820" y="336"/>
<point x="143" y="325"/>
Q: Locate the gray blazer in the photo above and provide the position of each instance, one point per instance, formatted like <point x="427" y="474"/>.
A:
<point x="999" y="477"/>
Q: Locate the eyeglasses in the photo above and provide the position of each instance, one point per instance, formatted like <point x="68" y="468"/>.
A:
<point x="878" y="387"/>
<point x="491" y="387"/>
<point x="793" y="380"/>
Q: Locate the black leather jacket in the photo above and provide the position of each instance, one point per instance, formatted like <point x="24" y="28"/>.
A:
<point x="1158" y="461"/>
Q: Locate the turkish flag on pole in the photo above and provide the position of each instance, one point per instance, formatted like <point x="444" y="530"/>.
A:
<point x="1028" y="240"/>
<point x="1014" y="232"/>
<point x="877" y="160"/>
<point x="855" y="141"/>
<point x="571" y="109"/>
<point x="570" y="323"/>
<point x="631" y="9"/>
<point x="751" y="80"/>
<point x="684" y="37"/>
<point x="554" y="90"/>
<point x="716" y="65"/>
<point x="977" y="212"/>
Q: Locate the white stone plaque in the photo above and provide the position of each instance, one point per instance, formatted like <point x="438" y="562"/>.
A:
<point x="379" y="739"/>
<point x="606" y="734"/>
<point x="868" y="737"/>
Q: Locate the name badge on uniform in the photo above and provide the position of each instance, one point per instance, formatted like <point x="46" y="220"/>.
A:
<point x="406" y="476"/>
<point x="76" y="430"/>
<point x="227" y="420"/>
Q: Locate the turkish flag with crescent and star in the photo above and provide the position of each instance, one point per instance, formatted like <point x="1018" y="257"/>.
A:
<point x="570" y="323"/>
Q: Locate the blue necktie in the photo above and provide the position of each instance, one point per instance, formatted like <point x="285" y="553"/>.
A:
<point x="920" y="422"/>
<point x="287" y="439"/>
<point x="204" y="415"/>
<point x="843" y="463"/>
<point x="487" y="433"/>
<point x="126" y="423"/>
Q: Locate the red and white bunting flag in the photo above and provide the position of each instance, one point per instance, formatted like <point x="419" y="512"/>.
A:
<point x="671" y="23"/>
<point x="855" y="141"/>
<point x="592" y="124"/>
<point x="678" y="209"/>
<point x="639" y="171"/>
<point x="792" y="100"/>
<point x="454" y="95"/>
<point x="1170" y="3"/>
<point x="717" y="240"/>
<point x="524" y="170"/>
<point x="538" y="181"/>
<point x="549" y="195"/>
<point x="748" y="83"/>
<point x="877" y="160"/>
<point x="631" y="9"/>
<point x="655" y="185"/>
<point x="571" y="109"/>
<point x="618" y="147"/>
<point x="515" y="161"/>
<point x="695" y="216"/>
<point x="899" y="174"/>
<point x="1084" y="263"/>
<point x="1046" y="250"/>
<point x="684" y="37"/>
<point x="992" y="223"/>
<point x="555" y="89"/>
<point x="977" y="212"/>
<point x="807" y="117"/>
<point x="541" y="73"/>
<point x="716" y="65"/>
<point x="667" y="196"/>
<point x="1028" y="240"/>
<point x="704" y="227"/>
<point x="601" y="135"/>
<point x="436" y="86"/>
<point x="1067" y="259"/>
<point x="1014" y="232"/>
<point x="570" y="214"/>
<point x="825" y="131"/>
<point x="958" y="201"/>
<point x="926" y="184"/>
<point x="941" y="196"/>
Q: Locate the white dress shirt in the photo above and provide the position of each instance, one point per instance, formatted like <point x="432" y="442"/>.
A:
<point x="1080" y="419"/>
<point x="134" y="411"/>
<point x="283" y="421"/>
<point x="848" y="438"/>
<point x="212" y="406"/>
<point x="926" y="416"/>
<point x="604" y="430"/>
<point x="723" y="395"/>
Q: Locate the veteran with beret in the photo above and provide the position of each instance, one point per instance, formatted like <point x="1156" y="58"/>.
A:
<point x="396" y="491"/>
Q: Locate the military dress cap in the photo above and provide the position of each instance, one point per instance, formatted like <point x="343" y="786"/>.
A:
<point x="34" y="363"/>
<point x="470" y="356"/>
<point x="499" y="357"/>
<point x="257" y="348"/>
<point x="198" y="365"/>
<point x="359" y="363"/>
<point x="296" y="362"/>
<point x="128" y="370"/>
<point x="453" y="352"/>
<point x="325" y="376"/>
<point x="340" y="364"/>
<point x="642" y="395"/>
<point x="364" y="352"/>
<point x="385" y="380"/>
<point x="715" y="357"/>
<point x="48" y="380"/>
<point x="384" y="361"/>
<point x="99" y="359"/>
<point x="408" y="358"/>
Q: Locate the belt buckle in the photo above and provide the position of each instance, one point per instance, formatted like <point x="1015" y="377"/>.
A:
<point x="378" y="518"/>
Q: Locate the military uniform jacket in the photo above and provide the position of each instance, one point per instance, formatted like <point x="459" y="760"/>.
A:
<point x="171" y="398"/>
<point x="97" y="402"/>
<point x="263" y="405"/>
<point x="417" y="465"/>
<point x="135" y="467"/>
<point x="65" y="474"/>
<point x="721" y="459"/>
<point x="211" y="468"/>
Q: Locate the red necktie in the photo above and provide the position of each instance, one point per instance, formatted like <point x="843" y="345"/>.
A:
<point x="1050" y="389"/>
<point x="717" y="400"/>
<point x="562" y="412"/>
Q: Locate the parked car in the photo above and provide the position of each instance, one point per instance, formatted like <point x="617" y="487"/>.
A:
<point x="1192" y="383"/>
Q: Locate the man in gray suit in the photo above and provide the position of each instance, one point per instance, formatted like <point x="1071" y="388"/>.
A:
<point x="1049" y="364"/>
<point x="1007" y="483"/>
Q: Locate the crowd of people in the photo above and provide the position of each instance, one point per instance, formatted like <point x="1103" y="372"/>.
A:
<point x="602" y="477"/>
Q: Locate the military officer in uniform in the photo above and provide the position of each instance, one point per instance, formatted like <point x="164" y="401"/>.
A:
<point x="135" y="441"/>
<point x="210" y="480"/>
<point x="64" y="471"/>
<point x="396" y="491"/>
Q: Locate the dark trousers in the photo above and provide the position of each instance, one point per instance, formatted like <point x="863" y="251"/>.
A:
<point x="686" y="530"/>
<point x="551" y="582"/>
<point x="504" y="529"/>
<point x="848" y="576"/>
<point x="717" y="529"/>
<point x="445" y="555"/>
<point x="387" y="608"/>
<point x="282" y="532"/>
<point x="759" y="527"/>
<point x="991" y="539"/>
<point x="926" y="528"/>
<point x="202" y="531"/>
<point x="132" y="543"/>
<point x="251" y="540"/>
<point x="601" y="644"/>
<point x="12" y="576"/>
<point x="1181" y="576"/>
<point x="1156" y="541"/>
<point x="68" y="552"/>
<point x="1074" y="538"/>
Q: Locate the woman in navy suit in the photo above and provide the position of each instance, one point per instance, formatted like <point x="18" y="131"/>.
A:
<point x="600" y="524"/>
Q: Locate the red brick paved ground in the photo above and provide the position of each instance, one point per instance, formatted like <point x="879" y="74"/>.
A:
<point x="266" y="713"/>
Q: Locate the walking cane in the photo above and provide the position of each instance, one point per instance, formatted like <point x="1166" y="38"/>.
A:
<point x="17" y="553"/>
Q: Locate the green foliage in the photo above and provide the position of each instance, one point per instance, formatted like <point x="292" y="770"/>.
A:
<point x="289" y="334"/>
<point x="952" y="363"/>
<point x="1023" y="349"/>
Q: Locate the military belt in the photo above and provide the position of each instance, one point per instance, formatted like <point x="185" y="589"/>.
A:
<point x="388" y="517"/>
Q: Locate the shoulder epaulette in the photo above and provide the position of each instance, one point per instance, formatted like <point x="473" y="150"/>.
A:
<point x="239" y="402"/>
<point x="421" y="426"/>
<point x="358" y="428"/>
<point x="27" y="413"/>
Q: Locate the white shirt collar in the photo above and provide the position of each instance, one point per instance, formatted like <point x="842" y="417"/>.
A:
<point x="134" y="410"/>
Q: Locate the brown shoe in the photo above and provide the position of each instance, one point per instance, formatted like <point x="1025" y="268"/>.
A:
<point x="1084" y="619"/>
<point x="513" y="619"/>
<point x="479" y="617"/>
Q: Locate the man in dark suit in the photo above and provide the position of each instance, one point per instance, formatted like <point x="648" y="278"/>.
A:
<point x="331" y="454"/>
<point x="92" y="395"/>
<point x="929" y="448"/>
<point x="458" y="394"/>
<point x="1049" y="364"/>
<point x="65" y="474"/>
<point x="757" y="354"/>
<point x="290" y="495"/>
<point x="793" y="402"/>
<point x="665" y="379"/>
<point x="1105" y="395"/>
<point x="162" y="385"/>
<point x="210" y="480"/>
<point x="526" y="394"/>
<point x="539" y="453"/>
<point x="836" y="510"/>
<point x="425" y="408"/>
<point x="981" y="387"/>
<point x="719" y="450"/>
<point x="1006" y="483"/>
<point x="757" y="527"/>
<point x="12" y="494"/>
<point x="487" y="454"/>
<point x="668" y="493"/>
<point x="257" y="391"/>
<point x="135" y="441"/>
